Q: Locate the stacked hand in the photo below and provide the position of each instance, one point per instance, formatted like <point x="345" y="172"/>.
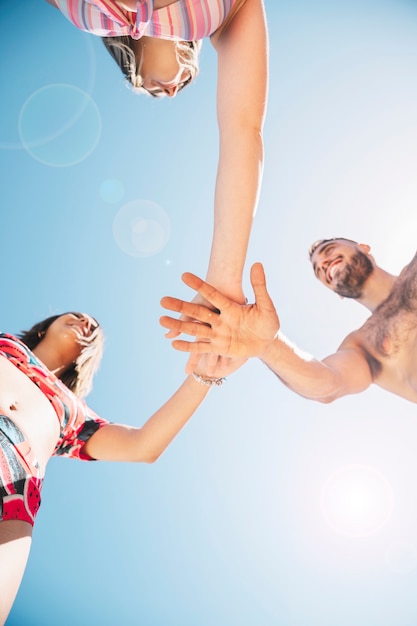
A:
<point x="230" y="330"/>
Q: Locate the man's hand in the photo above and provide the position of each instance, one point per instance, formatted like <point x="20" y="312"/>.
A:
<point x="236" y="331"/>
<point x="171" y="334"/>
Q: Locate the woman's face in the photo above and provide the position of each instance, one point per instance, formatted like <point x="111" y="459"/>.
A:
<point x="158" y="65"/>
<point x="70" y="331"/>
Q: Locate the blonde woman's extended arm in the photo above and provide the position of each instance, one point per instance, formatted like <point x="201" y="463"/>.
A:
<point x="241" y="102"/>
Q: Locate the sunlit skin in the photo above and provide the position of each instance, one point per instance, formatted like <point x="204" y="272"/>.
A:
<point x="25" y="404"/>
<point x="62" y="343"/>
<point x="130" y="5"/>
<point x="31" y="410"/>
<point x="159" y="67"/>
<point x="22" y="401"/>
<point x="33" y="414"/>
<point x="240" y="111"/>
<point x="382" y="351"/>
<point x="156" y="58"/>
<point x="241" y="47"/>
<point x="329" y="259"/>
<point x="343" y="267"/>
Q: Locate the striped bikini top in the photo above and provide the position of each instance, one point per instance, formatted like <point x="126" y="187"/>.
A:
<point x="186" y="20"/>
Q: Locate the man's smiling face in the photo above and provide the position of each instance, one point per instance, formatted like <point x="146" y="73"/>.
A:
<point x="342" y="266"/>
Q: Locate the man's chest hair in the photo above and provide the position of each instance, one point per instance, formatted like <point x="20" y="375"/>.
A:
<point x="394" y="323"/>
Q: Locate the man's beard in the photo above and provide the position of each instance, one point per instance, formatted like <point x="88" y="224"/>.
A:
<point x="350" y="280"/>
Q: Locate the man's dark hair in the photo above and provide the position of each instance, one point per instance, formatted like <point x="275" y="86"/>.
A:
<point x="320" y="242"/>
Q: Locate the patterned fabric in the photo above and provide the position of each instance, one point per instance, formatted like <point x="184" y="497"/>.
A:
<point x="185" y="20"/>
<point x="77" y="421"/>
<point x="20" y="475"/>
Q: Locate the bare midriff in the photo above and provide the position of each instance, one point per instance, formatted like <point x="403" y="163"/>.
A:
<point x="24" y="403"/>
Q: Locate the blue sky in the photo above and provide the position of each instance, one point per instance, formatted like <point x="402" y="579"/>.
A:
<point x="267" y="509"/>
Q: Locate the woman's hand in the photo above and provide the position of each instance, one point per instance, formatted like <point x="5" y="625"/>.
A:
<point x="206" y="367"/>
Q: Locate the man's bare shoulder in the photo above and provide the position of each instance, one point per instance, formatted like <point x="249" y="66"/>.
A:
<point x="352" y="341"/>
<point x="411" y="268"/>
<point x="357" y="342"/>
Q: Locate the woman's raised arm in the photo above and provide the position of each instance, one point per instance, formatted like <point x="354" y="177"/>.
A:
<point x="242" y="49"/>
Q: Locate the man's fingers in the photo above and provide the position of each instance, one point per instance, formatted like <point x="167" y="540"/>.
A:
<point x="207" y="291"/>
<point x="195" y="329"/>
<point x="258" y="281"/>
<point x="171" y="334"/>
<point x="188" y="309"/>
<point x="193" y="281"/>
<point x="175" y="304"/>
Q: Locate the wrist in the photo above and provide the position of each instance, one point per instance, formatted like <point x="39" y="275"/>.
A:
<point x="230" y="287"/>
<point x="232" y="291"/>
<point x="208" y="381"/>
<point x="269" y="349"/>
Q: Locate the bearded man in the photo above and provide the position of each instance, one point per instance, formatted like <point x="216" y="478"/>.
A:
<point x="382" y="351"/>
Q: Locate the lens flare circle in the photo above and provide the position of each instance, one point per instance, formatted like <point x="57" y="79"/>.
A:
<point x="59" y="125"/>
<point x="356" y="500"/>
<point x="141" y="228"/>
<point x="84" y="74"/>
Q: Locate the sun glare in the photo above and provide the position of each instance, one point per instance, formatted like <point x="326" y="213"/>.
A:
<point x="356" y="500"/>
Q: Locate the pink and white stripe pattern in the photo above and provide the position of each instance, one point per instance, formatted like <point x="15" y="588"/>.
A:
<point x="185" y="20"/>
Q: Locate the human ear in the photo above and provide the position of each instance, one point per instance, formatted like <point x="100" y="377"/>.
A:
<point x="365" y="248"/>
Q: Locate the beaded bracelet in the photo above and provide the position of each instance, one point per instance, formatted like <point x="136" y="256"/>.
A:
<point x="210" y="382"/>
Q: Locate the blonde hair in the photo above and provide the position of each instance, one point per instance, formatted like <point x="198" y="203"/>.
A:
<point x="78" y="376"/>
<point x="122" y="51"/>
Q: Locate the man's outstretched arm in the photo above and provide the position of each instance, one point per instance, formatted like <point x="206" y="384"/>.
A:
<point x="342" y="373"/>
<point x="243" y="331"/>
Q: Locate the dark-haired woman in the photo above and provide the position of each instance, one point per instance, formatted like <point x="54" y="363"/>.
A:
<point x="43" y="376"/>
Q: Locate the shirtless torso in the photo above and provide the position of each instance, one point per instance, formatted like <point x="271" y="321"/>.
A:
<point x="30" y="410"/>
<point x="389" y="337"/>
